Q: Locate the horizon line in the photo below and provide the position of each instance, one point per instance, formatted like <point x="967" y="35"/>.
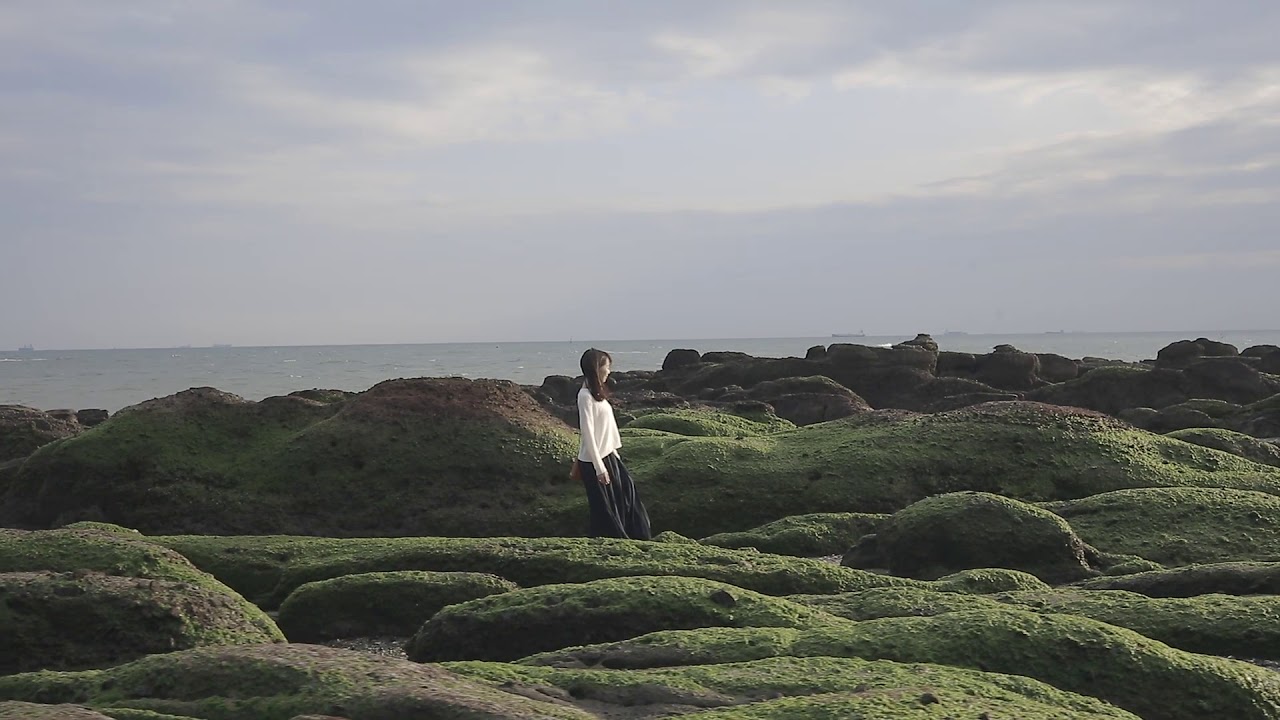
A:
<point x="834" y="339"/>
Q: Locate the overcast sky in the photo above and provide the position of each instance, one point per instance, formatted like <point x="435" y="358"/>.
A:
<point x="327" y="171"/>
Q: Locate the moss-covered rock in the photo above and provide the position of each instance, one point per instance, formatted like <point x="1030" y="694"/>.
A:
<point x="708" y="423"/>
<point x="1141" y="675"/>
<point x="813" y="535"/>
<point x="267" y="569"/>
<point x="378" y="604"/>
<point x="1179" y="526"/>
<point x="12" y="710"/>
<point x="559" y="616"/>
<point x="988" y="580"/>
<point x="884" y="461"/>
<point x="425" y="453"/>
<point x="102" y="527"/>
<point x="279" y="682"/>
<point x="1215" y="578"/>
<point x="1213" y="624"/>
<point x="1247" y="447"/>
<point x="70" y="621"/>
<point x="80" y="551"/>
<point x="966" y="530"/>
<point x="815" y="687"/>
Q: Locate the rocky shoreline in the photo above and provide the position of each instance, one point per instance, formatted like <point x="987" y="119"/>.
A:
<point x="863" y="532"/>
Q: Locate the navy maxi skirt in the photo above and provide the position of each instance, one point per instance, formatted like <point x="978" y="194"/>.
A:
<point x="616" y="510"/>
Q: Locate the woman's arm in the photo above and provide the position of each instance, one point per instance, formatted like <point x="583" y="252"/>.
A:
<point x="587" y="425"/>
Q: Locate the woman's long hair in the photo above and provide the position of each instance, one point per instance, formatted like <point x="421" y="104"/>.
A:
<point x="592" y="365"/>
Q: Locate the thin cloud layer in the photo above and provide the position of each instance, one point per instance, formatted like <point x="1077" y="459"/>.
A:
<point x="405" y="171"/>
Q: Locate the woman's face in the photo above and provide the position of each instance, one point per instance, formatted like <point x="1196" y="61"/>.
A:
<point x="606" y="368"/>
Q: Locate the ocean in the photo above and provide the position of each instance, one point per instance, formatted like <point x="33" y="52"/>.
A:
<point x="113" y="379"/>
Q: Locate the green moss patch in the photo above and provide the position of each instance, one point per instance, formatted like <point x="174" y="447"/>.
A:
<point x="1247" y="447"/>
<point x="813" y="535"/>
<point x="426" y="455"/>
<point x="34" y="711"/>
<point x="1194" y="580"/>
<point x="966" y="530"/>
<point x="1213" y="624"/>
<point x="78" y="620"/>
<point x="708" y="423"/>
<point x="559" y="616"/>
<point x="1179" y="526"/>
<point x="268" y="569"/>
<point x="1141" y="675"/>
<point x="79" y="551"/>
<point x="983" y="581"/>
<point x="816" y="687"/>
<point x="378" y="604"/>
<point x="278" y="682"/>
<point x="884" y="461"/>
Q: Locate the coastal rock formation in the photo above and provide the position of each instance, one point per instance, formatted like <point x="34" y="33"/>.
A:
<point x="59" y="590"/>
<point x="378" y="604"/>
<point x="959" y="531"/>
<point x="24" y="430"/>
<point x="1144" y="676"/>
<point x="553" y="617"/>
<point x="401" y="458"/>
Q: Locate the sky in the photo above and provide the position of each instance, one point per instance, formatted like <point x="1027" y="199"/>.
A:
<point x="399" y="171"/>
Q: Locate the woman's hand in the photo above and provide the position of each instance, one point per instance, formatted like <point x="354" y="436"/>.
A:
<point x="603" y="478"/>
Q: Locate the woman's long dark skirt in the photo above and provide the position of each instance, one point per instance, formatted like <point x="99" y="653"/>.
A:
<point x="616" y="510"/>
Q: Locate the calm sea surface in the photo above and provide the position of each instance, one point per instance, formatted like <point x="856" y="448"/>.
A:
<point x="112" y="379"/>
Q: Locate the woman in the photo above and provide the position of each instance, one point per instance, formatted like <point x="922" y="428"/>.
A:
<point x="616" y="511"/>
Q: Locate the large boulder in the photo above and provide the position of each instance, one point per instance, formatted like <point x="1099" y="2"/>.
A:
<point x="380" y="604"/>
<point x="419" y="457"/>
<point x="958" y="531"/>
<point x="1008" y="368"/>
<point x="1178" y="526"/>
<point x="64" y="586"/>
<point x="681" y="358"/>
<point x="553" y="617"/>
<point x="74" y="620"/>
<point x="1057" y="368"/>
<point x="1232" y="379"/>
<point x="1113" y="389"/>
<point x="1184" y="352"/>
<point x="1247" y="447"/>
<point x="813" y="535"/>
<point x="24" y="430"/>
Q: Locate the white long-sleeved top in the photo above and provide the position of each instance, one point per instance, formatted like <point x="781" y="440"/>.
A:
<point x="599" y="430"/>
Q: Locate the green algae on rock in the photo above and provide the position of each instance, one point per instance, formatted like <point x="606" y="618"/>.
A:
<point x="968" y="530"/>
<point x="708" y="423"/>
<point x="80" y="551"/>
<point x="1141" y="675"/>
<point x="71" y="621"/>
<point x="1250" y="448"/>
<point x="982" y="581"/>
<point x="267" y="569"/>
<point x="1238" y="578"/>
<point x="756" y="686"/>
<point x="812" y="535"/>
<point x="426" y="454"/>
<point x="884" y="461"/>
<point x="13" y="710"/>
<point x="279" y="682"/>
<point x="378" y="604"/>
<point x="552" y="617"/>
<point x="1179" y="526"/>
<point x="1212" y="625"/>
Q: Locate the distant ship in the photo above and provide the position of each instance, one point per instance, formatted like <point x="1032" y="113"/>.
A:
<point x="222" y="345"/>
<point x="857" y="334"/>
<point x="26" y="349"/>
<point x="1055" y="332"/>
